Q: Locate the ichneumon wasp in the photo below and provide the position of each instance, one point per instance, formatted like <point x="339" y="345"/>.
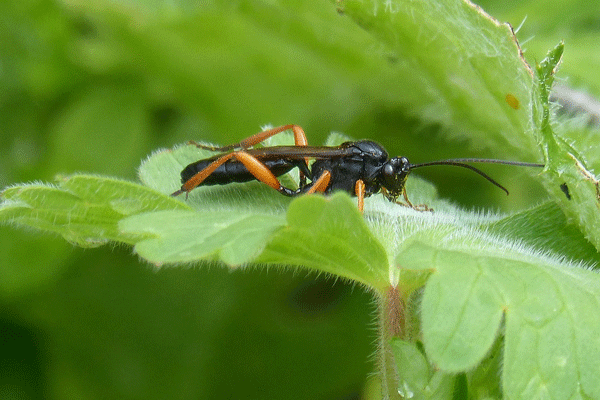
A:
<point x="361" y="168"/>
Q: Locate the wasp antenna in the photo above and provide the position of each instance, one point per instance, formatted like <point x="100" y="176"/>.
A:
<point x="461" y="162"/>
<point x="454" y="161"/>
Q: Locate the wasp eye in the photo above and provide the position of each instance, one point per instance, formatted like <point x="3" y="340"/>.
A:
<point x="388" y="170"/>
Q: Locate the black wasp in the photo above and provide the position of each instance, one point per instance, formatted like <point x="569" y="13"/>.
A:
<point x="361" y="168"/>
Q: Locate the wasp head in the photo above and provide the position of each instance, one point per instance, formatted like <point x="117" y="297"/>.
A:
<point x="393" y="177"/>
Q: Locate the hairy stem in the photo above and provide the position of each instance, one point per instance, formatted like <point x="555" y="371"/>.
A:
<point x="391" y="318"/>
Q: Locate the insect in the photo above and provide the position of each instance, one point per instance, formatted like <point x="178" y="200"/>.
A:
<point x="361" y="168"/>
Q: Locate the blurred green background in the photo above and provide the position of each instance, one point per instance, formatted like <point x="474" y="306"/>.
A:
<point x="96" y="86"/>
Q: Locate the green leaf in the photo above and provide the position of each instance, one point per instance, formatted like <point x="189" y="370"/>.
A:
<point x="84" y="209"/>
<point x="232" y="236"/>
<point x="546" y="228"/>
<point x="329" y="235"/>
<point x="459" y="67"/>
<point x="549" y="307"/>
<point x="312" y="237"/>
<point x="567" y="176"/>
<point x="416" y="379"/>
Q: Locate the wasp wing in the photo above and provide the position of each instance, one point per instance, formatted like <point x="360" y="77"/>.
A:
<point x="298" y="152"/>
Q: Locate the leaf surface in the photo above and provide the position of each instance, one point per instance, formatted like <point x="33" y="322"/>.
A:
<point x="549" y="309"/>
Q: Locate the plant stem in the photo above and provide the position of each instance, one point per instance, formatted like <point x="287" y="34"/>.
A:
<point x="391" y="320"/>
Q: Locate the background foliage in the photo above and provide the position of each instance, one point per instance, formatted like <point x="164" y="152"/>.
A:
<point x="96" y="86"/>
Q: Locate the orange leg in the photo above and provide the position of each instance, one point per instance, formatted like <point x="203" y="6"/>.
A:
<point x="252" y="164"/>
<point x="420" y="207"/>
<point x="299" y="139"/>
<point x="320" y="184"/>
<point x="408" y="203"/>
<point x="359" y="190"/>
